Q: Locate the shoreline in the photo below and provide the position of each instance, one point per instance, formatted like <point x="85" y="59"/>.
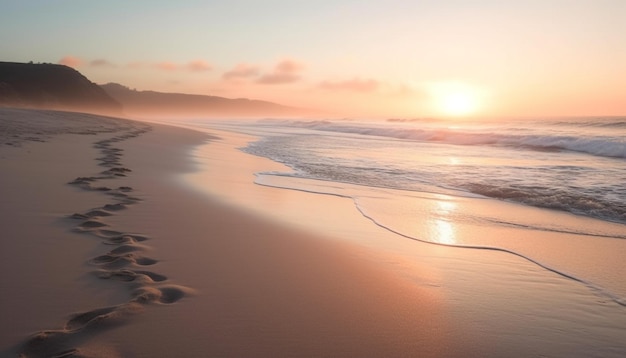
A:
<point x="270" y="289"/>
<point x="266" y="303"/>
<point x="248" y="285"/>
<point x="584" y="249"/>
<point x="521" y="289"/>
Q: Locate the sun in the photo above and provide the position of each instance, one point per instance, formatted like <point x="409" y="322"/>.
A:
<point x="455" y="99"/>
<point x="457" y="103"/>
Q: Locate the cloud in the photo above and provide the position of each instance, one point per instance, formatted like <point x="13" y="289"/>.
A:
<point x="101" y="63"/>
<point x="278" y="78"/>
<point x="241" y="71"/>
<point x="193" y="66"/>
<point x="356" y="84"/>
<point x="286" y="71"/>
<point x="289" y="66"/>
<point x="199" y="66"/>
<point x="166" y="66"/>
<point x="71" y="61"/>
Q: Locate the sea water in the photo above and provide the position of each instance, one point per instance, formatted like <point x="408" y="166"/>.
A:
<point x="576" y="165"/>
<point x="552" y="191"/>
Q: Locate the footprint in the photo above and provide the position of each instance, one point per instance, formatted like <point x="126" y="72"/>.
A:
<point x="109" y="156"/>
<point x="48" y="344"/>
<point x="144" y="261"/>
<point x="119" y="261"/>
<point x="114" y="207"/>
<point x="117" y="171"/>
<point x="112" y="163"/>
<point x="114" y="262"/>
<point x="123" y="252"/>
<point x="164" y="294"/>
<point x="124" y="239"/>
<point x="153" y="276"/>
<point x="119" y="240"/>
<point x="96" y="213"/>
<point x="79" y="216"/>
<point x="90" y="214"/>
<point x="171" y="294"/>
<point x="124" y="249"/>
<point x="101" y="188"/>
<point x="102" y="317"/>
<point x="130" y="275"/>
<point x="91" y="224"/>
<point x="108" y="233"/>
<point x="80" y="320"/>
<point x="121" y="275"/>
<point x="83" y="180"/>
<point x="118" y="195"/>
<point x="120" y="170"/>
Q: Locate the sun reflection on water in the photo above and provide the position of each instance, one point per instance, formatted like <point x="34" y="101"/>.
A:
<point x="442" y="230"/>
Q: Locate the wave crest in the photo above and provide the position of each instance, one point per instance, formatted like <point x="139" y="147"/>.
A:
<point x="602" y="146"/>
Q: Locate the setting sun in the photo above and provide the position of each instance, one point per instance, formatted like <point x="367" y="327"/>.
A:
<point x="454" y="99"/>
<point x="458" y="104"/>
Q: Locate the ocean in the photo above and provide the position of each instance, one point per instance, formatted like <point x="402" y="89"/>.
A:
<point x="576" y="165"/>
<point x="550" y="190"/>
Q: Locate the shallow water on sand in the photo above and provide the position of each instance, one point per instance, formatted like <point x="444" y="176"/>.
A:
<point x="534" y="286"/>
<point x="555" y="187"/>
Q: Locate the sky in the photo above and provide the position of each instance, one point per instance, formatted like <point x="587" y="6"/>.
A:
<point x="350" y="58"/>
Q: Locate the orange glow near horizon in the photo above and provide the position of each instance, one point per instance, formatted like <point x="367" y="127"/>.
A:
<point x="456" y="99"/>
<point x="452" y="59"/>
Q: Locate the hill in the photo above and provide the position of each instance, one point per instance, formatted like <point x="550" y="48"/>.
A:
<point x="49" y="86"/>
<point x="160" y="104"/>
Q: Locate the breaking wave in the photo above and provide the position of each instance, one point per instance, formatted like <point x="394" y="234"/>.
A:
<point x="611" y="146"/>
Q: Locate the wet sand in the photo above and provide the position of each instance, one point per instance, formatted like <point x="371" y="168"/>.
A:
<point x="109" y="251"/>
<point x="127" y="240"/>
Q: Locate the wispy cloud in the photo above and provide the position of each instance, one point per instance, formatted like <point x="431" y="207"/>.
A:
<point x="166" y="66"/>
<point x="286" y="71"/>
<point x="242" y="71"/>
<point x="193" y="66"/>
<point x="101" y="63"/>
<point x="199" y="66"/>
<point x="356" y="84"/>
<point x="71" y="61"/>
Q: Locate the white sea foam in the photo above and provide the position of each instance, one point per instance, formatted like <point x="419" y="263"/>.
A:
<point x="576" y="167"/>
<point x="389" y="168"/>
<point x="585" y="141"/>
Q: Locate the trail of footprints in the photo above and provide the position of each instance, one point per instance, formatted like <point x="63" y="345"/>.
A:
<point x="124" y="262"/>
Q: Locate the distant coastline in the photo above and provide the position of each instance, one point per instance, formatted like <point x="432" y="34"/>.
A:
<point x="59" y="87"/>
<point x="50" y="86"/>
<point x="159" y="104"/>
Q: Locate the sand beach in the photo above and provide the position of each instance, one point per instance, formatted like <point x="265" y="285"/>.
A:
<point x="122" y="238"/>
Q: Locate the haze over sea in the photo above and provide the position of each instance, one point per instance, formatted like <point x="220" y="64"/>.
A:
<point x="556" y="186"/>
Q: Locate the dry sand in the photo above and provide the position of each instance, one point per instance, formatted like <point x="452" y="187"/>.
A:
<point x="106" y="252"/>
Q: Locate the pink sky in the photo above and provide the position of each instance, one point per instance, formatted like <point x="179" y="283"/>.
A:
<point x="348" y="58"/>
